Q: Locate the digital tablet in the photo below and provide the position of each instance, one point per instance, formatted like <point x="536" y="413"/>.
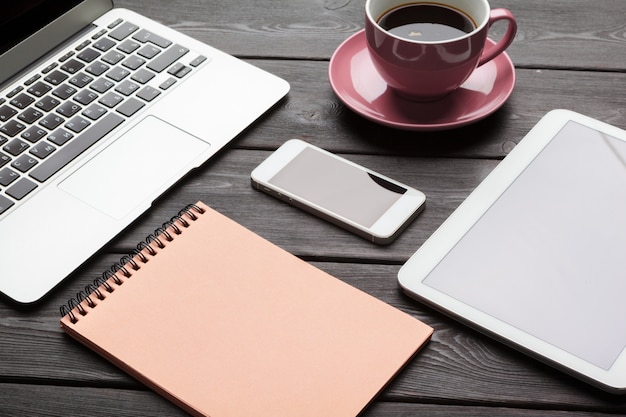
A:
<point x="536" y="255"/>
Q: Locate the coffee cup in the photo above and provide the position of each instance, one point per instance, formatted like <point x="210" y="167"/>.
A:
<point x="426" y="50"/>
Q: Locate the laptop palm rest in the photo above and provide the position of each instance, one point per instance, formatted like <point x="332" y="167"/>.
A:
<point x="136" y="168"/>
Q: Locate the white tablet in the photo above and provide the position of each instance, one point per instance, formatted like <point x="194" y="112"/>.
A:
<point x="536" y="255"/>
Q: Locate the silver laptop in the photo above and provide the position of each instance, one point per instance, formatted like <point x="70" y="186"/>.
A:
<point x="101" y="111"/>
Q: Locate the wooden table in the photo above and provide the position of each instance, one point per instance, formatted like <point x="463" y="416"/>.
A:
<point x="568" y="54"/>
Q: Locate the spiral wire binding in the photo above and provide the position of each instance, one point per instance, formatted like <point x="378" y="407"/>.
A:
<point x="101" y="284"/>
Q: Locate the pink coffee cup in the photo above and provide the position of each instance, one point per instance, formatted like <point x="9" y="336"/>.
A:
<point x="429" y="69"/>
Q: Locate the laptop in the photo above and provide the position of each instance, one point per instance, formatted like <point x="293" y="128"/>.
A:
<point x="101" y="111"/>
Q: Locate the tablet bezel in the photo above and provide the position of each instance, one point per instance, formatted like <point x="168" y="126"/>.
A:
<point x="413" y="273"/>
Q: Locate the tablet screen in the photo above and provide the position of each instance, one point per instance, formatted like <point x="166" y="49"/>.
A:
<point x="548" y="256"/>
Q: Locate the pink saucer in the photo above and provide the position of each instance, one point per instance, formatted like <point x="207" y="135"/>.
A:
<point x="356" y="83"/>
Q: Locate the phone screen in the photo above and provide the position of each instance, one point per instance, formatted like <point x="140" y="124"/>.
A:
<point x="337" y="186"/>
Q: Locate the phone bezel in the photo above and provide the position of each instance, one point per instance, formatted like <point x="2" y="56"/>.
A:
<point x="383" y="231"/>
<point x="417" y="269"/>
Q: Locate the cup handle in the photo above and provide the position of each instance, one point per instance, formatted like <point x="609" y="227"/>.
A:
<point x="494" y="50"/>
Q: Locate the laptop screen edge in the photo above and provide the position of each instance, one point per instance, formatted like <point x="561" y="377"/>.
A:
<point x="50" y="36"/>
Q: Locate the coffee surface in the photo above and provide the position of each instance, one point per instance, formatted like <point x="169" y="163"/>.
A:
<point x="426" y="22"/>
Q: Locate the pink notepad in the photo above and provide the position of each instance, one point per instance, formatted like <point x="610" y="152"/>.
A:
<point x="225" y="323"/>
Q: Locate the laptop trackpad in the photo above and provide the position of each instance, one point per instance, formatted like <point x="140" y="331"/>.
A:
<point x="136" y="168"/>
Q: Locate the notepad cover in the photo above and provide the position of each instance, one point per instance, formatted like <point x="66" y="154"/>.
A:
<point x="224" y="323"/>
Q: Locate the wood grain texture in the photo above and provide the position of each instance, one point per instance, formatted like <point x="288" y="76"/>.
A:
<point x="225" y="185"/>
<point x="555" y="34"/>
<point x="312" y="112"/>
<point x="458" y="366"/>
<point x="53" y="401"/>
<point x="568" y="54"/>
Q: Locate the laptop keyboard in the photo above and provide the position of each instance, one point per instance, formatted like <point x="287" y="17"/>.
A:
<point x="57" y="114"/>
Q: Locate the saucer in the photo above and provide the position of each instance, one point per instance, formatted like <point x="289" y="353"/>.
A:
<point x="359" y="86"/>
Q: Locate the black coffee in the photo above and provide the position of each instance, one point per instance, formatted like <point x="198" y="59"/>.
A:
<point x="426" y="22"/>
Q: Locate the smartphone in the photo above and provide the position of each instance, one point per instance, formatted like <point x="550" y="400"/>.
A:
<point x="340" y="191"/>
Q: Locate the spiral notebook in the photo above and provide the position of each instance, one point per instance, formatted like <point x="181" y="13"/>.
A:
<point x="224" y="323"/>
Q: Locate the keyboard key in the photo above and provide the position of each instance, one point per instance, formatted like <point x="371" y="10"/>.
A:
<point x="175" y="68"/>
<point x="3" y="140"/>
<point x="64" y="92"/>
<point x="167" y="83"/>
<point x="67" y="56"/>
<point x="102" y="85"/>
<point x="42" y="150"/>
<point x="129" y="46"/>
<point x="148" y="93"/>
<point x="123" y="31"/>
<point x="22" y="101"/>
<point x="88" y="55"/>
<point x="24" y="163"/>
<point x="167" y="58"/>
<point x="63" y="156"/>
<point x="47" y="103"/>
<point x="4" y="159"/>
<point x="81" y="80"/>
<point x="5" y="204"/>
<point x="51" y="121"/>
<point x="144" y="36"/>
<point x="6" y="113"/>
<point x="32" y="79"/>
<point x="21" y="188"/>
<point x="94" y="112"/>
<point x="83" y="45"/>
<point x="7" y="176"/>
<point x="149" y="51"/>
<point x="15" y="147"/>
<point x="72" y="66"/>
<point x="77" y="124"/>
<point x="133" y="62"/>
<point x="30" y="115"/>
<point x="85" y="97"/>
<point x="182" y="72"/>
<point x="130" y="107"/>
<point x="97" y="68"/>
<point x="39" y="89"/>
<point x="127" y="88"/>
<point x="49" y="68"/>
<point x="113" y="57"/>
<point x="99" y="34"/>
<point x="104" y="44"/>
<point x="60" y="137"/>
<point x="111" y="99"/>
<point x="68" y="109"/>
<point x="143" y="76"/>
<point x="12" y="128"/>
<point x="115" y="23"/>
<point x="118" y="74"/>
<point x="199" y="60"/>
<point x="34" y="134"/>
<point x="14" y="92"/>
<point x="56" y="77"/>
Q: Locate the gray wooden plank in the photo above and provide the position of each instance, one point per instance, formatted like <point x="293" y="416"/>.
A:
<point x="458" y="366"/>
<point x="312" y="112"/>
<point x="16" y="401"/>
<point x="225" y="185"/>
<point x="555" y="34"/>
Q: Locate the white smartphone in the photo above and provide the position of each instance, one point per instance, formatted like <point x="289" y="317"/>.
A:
<point x="340" y="191"/>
